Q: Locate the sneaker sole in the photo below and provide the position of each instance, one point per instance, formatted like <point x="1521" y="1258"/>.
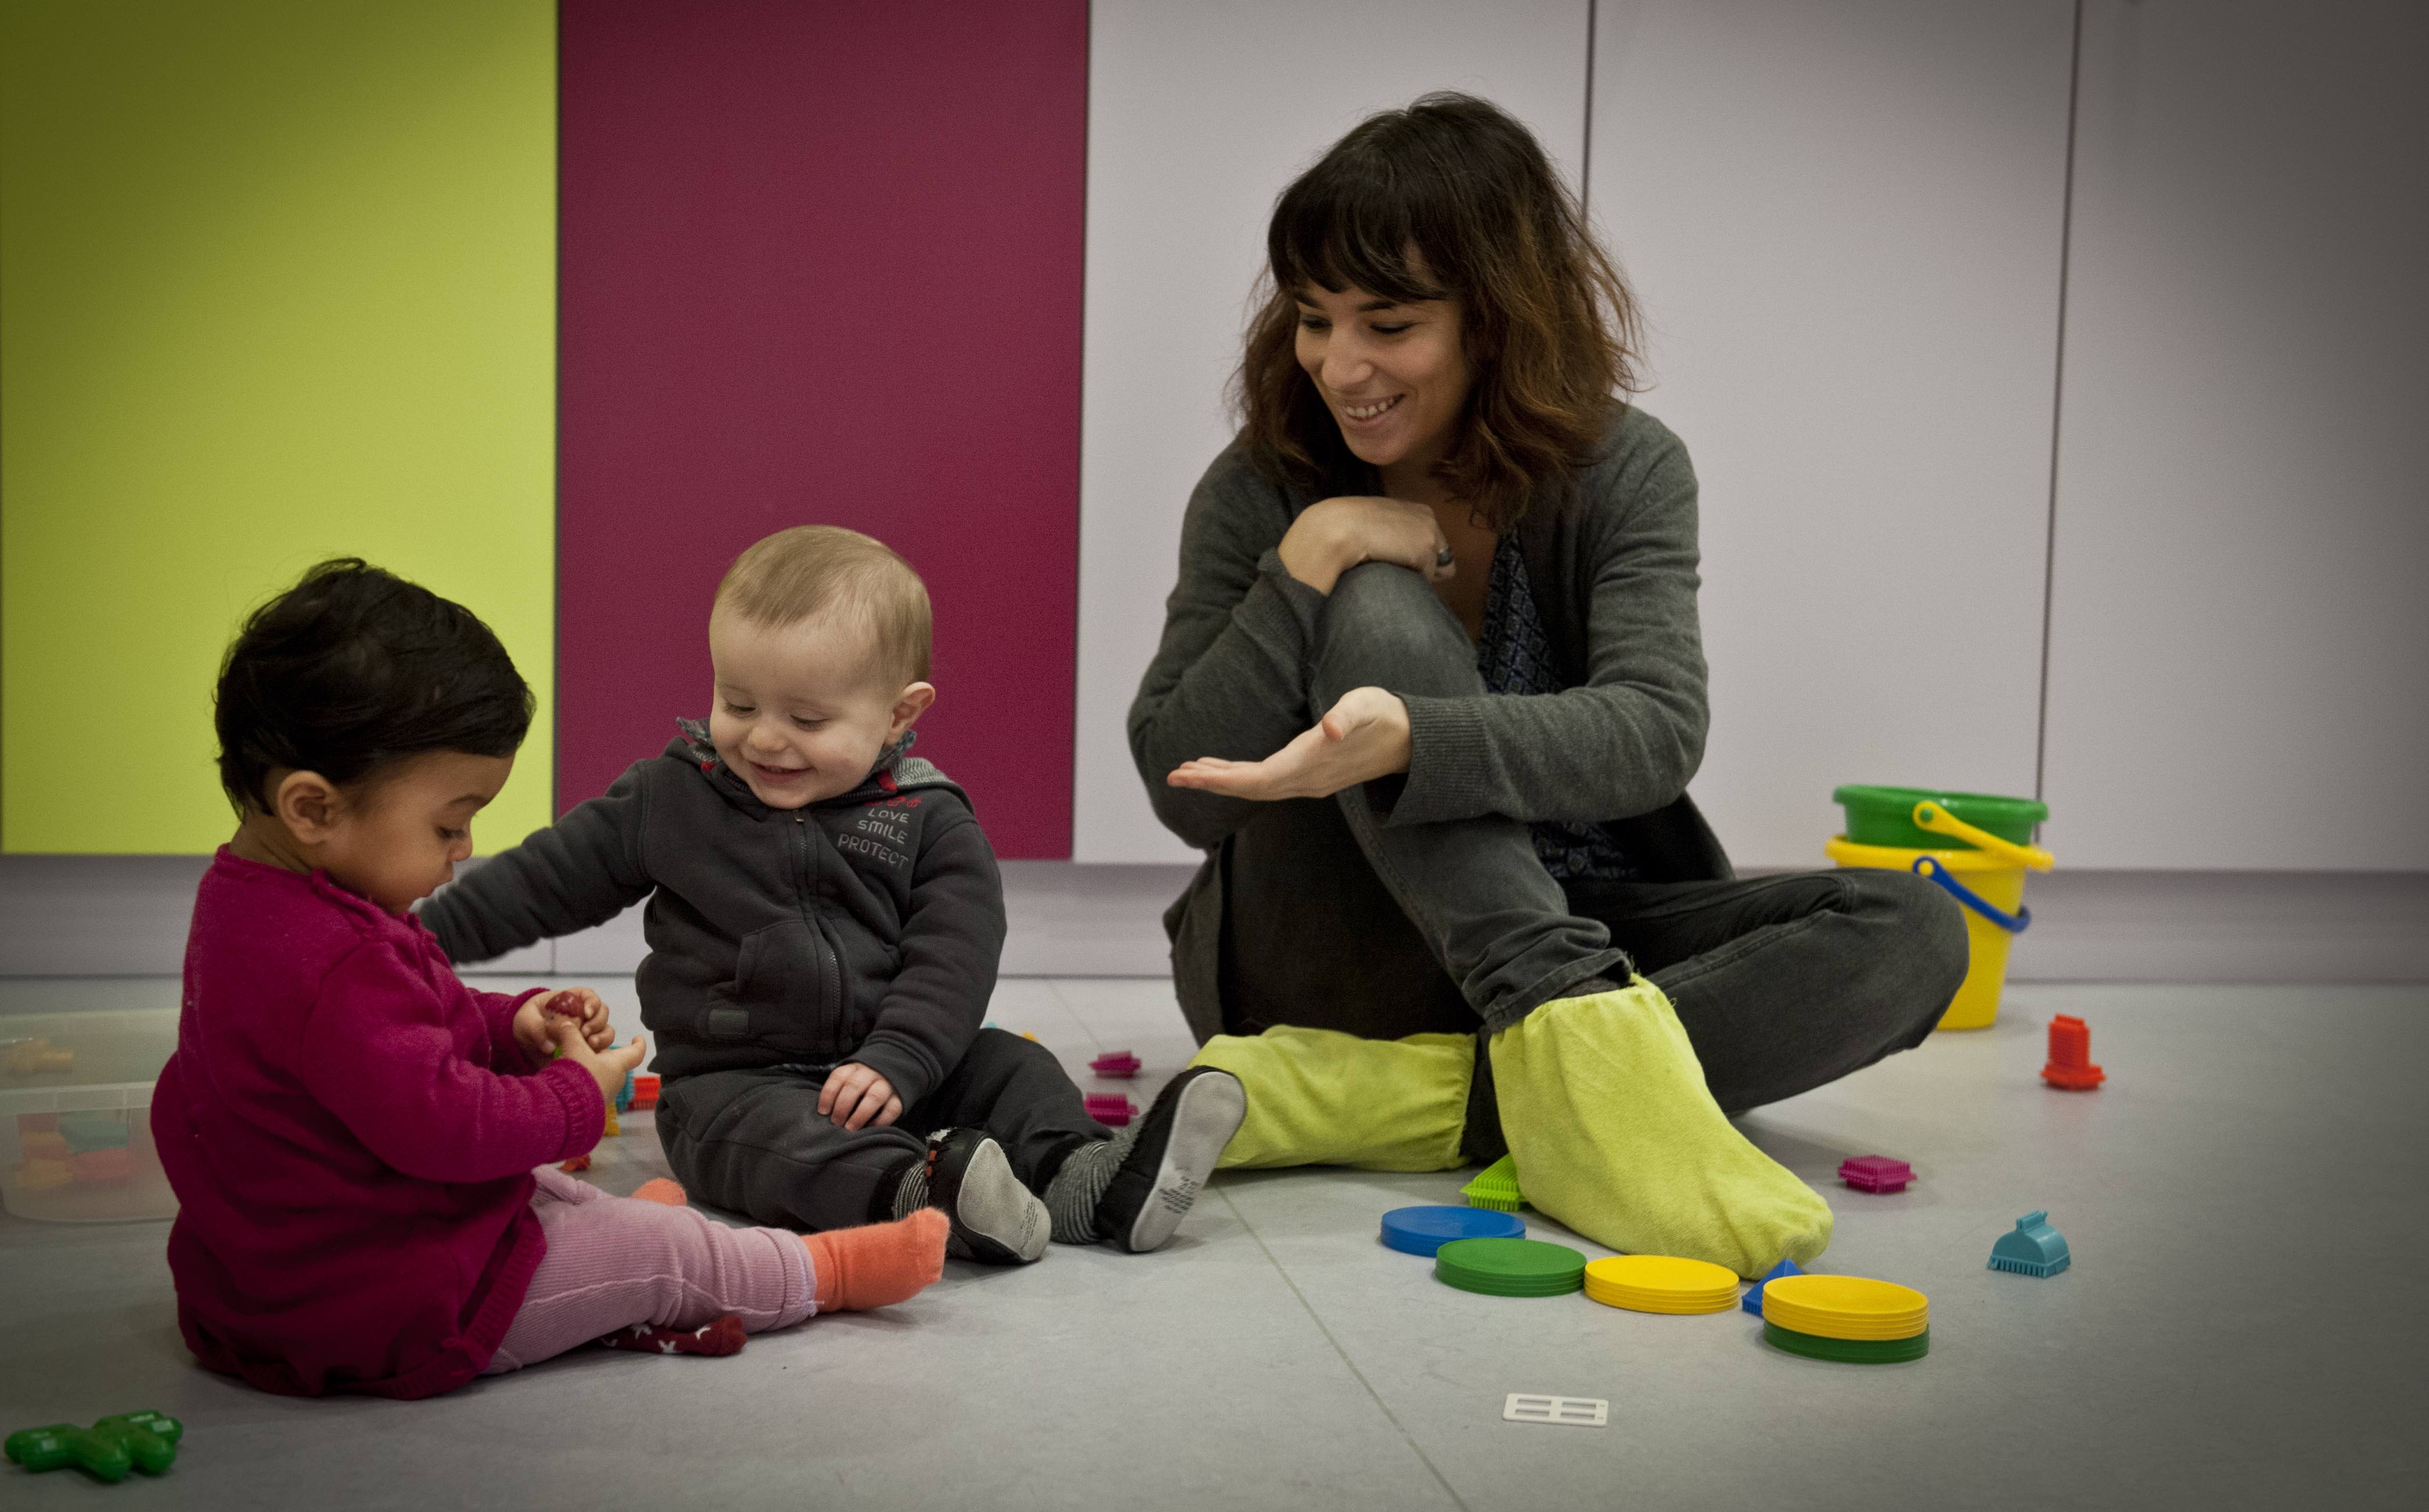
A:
<point x="994" y="1209"/>
<point x="1204" y="1121"/>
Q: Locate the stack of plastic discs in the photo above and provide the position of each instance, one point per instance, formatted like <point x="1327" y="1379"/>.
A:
<point x="1846" y="1318"/>
<point x="1510" y="1266"/>
<point x="1424" y="1230"/>
<point x="1661" y="1283"/>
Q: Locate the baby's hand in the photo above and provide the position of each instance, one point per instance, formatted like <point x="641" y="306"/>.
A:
<point x="590" y="1009"/>
<point x="607" y="1067"/>
<point x="855" y="1096"/>
<point x="579" y="1005"/>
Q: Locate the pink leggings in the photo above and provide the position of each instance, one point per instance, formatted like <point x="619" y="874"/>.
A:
<point x="615" y="1261"/>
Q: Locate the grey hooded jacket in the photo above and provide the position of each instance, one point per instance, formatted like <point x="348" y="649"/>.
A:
<point x="865" y="927"/>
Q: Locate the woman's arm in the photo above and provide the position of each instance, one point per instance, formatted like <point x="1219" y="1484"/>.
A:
<point x="1232" y="672"/>
<point x="1622" y="742"/>
<point x="1626" y="741"/>
<point x="1229" y="676"/>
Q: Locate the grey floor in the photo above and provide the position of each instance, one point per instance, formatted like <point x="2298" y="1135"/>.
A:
<point x="2241" y="1327"/>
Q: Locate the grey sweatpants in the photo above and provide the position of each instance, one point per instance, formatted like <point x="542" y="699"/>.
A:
<point x="754" y="1142"/>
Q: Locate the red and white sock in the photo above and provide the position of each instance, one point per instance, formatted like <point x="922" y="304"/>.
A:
<point x="718" y="1335"/>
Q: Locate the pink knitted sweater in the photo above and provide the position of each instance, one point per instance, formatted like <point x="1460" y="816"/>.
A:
<point x="351" y="1132"/>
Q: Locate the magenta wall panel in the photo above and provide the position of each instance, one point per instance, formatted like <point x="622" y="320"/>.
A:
<point x="822" y="262"/>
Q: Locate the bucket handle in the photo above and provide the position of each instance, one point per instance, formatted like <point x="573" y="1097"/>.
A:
<point x="1931" y="870"/>
<point x="1931" y="816"/>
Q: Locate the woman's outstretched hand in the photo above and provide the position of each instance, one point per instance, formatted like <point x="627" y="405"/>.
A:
<point x="1332" y="535"/>
<point x="1363" y="737"/>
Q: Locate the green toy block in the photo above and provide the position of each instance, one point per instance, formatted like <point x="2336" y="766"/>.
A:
<point x="151" y="1439"/>
<point x="98" y="1128"/>
<point x="64" y="1443"/>
<point x="106" y="1451"/>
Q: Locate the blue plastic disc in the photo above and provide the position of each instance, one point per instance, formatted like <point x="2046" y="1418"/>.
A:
<point x="1424" y="1230"/>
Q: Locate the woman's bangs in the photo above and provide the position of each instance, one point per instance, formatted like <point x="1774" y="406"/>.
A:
<point x="1342" y="230"/>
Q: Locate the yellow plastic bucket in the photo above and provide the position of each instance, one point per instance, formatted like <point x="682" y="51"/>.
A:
<point x="1995" y="881"/>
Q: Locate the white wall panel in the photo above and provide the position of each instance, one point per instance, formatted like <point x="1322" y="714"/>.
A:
<point x="1843" y="219"/>
<point x="2240" y="630"/>
<point x="1198" y="114"/>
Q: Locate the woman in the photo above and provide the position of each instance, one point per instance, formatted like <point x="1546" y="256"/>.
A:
<point x="1429" y="693"/>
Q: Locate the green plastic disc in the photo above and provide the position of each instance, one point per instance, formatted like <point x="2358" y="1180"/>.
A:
<point x="1510" y="1266"/>
<point x="1851" y="1350"/>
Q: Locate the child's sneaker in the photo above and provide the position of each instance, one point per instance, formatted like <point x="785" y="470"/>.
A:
<point x="994" y="1217"/>
<point x="1172" y="1152"/>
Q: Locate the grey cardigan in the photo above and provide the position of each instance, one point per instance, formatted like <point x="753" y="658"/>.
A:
<point x="1614" y="568"/>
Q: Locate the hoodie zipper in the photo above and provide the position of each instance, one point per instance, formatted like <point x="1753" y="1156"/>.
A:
<point x="830" y="971"/>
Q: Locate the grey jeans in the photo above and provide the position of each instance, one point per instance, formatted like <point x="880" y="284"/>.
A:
<point x="1337" y="919"/>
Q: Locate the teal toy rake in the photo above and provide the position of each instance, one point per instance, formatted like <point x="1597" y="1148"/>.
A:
<point x="2032" y="1248"/>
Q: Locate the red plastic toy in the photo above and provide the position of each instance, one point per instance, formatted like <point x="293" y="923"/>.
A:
<point x="101" y="1168"/>
<point x="580" y="1162"/>
<point x="2070" y="1056"/>
<point x="1112" y="1109"/>
<point x="645" y="1093"/>
<point x="1876" y="1172"/>
<point x="1116" y="1063"/>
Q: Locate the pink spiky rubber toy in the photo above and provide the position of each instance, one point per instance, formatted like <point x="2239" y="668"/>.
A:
<point x="1112" y="1109"/>
<point x="1116" y="1063"/>
<point x="1876" y="1172"/>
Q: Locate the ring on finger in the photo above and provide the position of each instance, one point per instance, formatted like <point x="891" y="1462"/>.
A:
<point x="1443" y="557"/>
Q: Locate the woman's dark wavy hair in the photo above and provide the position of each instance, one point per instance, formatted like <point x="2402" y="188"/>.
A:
<point x="354" y="670"/>
<point x="1450" y="198"/>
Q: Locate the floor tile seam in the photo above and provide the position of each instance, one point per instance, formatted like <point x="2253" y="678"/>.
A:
<point x="1070" y="1011"/>
<point x="1363" y="1384"/>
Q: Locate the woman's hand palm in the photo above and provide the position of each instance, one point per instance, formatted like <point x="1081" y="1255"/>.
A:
<point x="1364" y="736"/>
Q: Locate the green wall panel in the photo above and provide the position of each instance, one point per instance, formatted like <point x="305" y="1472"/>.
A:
<point x="276" y="283"/>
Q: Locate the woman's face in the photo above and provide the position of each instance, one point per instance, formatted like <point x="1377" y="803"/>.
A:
<point x="1394" y="375"/>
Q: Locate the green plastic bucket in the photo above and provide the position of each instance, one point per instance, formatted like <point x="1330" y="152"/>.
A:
<point x="1885" y="816"/>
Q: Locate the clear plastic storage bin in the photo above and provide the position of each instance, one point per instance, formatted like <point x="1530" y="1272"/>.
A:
<point x="75" y="1114"/>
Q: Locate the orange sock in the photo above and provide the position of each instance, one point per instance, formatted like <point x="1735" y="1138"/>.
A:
<point x="879" y="1264"/>
<point x="662" y="1191"/>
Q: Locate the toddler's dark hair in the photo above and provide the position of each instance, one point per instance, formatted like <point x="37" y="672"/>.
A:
<point x="354" y="668"/>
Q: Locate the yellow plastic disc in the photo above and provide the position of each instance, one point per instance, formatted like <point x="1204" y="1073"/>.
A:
<point x="1661" y="1283"/>
<point x="1835" y="1328"/>
<point x="1649" y="1304"/>
<point x="1663" y="1274"/>
<point x="1831" y="1325"/>
<point x="1845" y="1307"/>
<point x="1693" y="1302"/>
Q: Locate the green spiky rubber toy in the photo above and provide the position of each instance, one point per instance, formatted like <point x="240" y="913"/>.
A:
<point x="106" y="1451"/>
<point x="1495" y="1187"/>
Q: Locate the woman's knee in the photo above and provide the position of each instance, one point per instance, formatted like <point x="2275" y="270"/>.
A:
<point x="1929" y="928"/>
<point x="1383" y="626"/>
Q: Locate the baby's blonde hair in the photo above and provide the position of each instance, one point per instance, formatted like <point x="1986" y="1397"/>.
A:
<point x="812" y="570"/>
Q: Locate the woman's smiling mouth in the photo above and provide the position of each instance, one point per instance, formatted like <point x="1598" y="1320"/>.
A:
<point x="1362" y="414"/>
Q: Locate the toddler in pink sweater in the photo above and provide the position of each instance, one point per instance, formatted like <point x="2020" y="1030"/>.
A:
<point x="352" y="1132"/>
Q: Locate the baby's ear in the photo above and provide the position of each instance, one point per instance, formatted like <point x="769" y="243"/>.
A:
<point x="912" y="702"/>
<point x="307" y="803"/>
